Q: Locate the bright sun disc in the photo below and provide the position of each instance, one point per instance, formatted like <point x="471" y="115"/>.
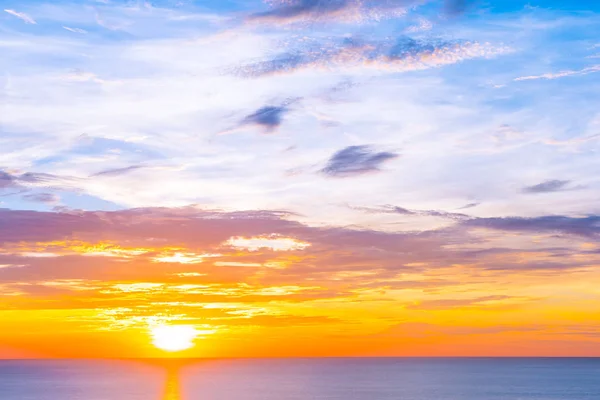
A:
<point x="173" y="337"/>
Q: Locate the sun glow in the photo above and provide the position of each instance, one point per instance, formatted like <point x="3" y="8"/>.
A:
<point x="173" y="337"/>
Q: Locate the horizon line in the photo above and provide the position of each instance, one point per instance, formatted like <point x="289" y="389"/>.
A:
<point x="286" y="358"/>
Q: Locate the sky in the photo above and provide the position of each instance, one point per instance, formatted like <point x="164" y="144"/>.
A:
<point x="300" y="177"/>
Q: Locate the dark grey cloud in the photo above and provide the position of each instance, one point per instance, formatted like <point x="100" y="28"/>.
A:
<point x="470" y="205"/>
<point x="356" y="160"/>
<point x="553" y="185"/>
<point x="48" y="198"/>
<point x="269" y="117"/>
<point x="118" y="171"/>
<point x="584" y="226"/>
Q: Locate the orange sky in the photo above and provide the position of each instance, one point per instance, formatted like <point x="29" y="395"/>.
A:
<point x="262" y="285"/>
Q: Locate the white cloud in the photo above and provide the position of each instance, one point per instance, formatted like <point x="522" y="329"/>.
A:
<point x="11" y="266"/>
<point x="39" y="254"/>
<point x="236" y="264"/>
<point x="180" y="258"/>
<point x="24" y="17"/>
<point x="561" y="74"/>
<point x="272" y="242"/>
<point x="75" y="30"/>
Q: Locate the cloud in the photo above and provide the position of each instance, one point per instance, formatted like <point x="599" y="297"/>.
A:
<point x="163" y="94"/>
<point x="456" y="7"/>
<point x="193" y="240"/>
<point x="547" y="187"/>
<point x="356" y="160"/>
<point x="562" y="74"/>
<point x="39" y="178"/>
<point x="403" y="54"/>
<point x="412" y="330"/>
<point x="30" y="180"/>
<point x="272" y="242"/>
<point x="345" y="11"/>
<point x="391" y="209"/>
<point x="203" y="264"/>
<point x="22" y="16"/>
<point x="584" y="226"/>
<point x="7" y="180"/>
<point x="49" y="226"/>
<point x="75" y="30"/>
<point x="48" y="198"/>
<point x="269" y="118"/>
<point x="574" y="142"/>
<point x="352" y="11"/>
<point x="111" y="25"/>
<point x="479" y="302"/>
<point x="421" y="26"/>
<point x="118" y="171"/>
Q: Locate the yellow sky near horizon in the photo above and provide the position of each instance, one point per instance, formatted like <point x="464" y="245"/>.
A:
<point x="302" y="292"/>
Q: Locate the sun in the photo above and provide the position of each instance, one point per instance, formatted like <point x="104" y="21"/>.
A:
<point x="173" y="337"/>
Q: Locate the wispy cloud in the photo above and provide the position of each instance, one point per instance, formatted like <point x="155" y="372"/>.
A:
<point x="109" y="23"/>
<point x="7" y="180"/>
<point x="561" y="74"/>
<point x="479" y="302"/>
<point x="30" y="179"/>
<point x="553" y="185"/>
<point x="470" y="205"/>
<point x="49" y="198"/>
<point x="349" y="11"/>
<point x="583" y="226"/>
<point x="22" y="16"/>
<point x="75" y="30"/>
<point x="403" y="54"/>
<point x="422" y="25"/>
<point x="390" y="209"/>
<point x="345" y="11"/>
<point x="118" y="171"/>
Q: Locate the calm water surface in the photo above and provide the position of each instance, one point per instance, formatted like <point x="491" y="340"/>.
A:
<point x="304" y="379"/>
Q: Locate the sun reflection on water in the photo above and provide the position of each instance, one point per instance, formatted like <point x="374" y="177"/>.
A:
<point x="172" y="389"/>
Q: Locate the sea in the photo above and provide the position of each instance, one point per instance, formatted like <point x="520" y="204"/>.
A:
<point x="303" y="379"/>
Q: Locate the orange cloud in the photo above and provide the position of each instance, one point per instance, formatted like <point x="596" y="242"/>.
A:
<point x="257" y="277"/>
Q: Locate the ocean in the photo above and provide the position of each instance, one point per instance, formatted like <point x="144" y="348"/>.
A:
<point x="304" y="379"/>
